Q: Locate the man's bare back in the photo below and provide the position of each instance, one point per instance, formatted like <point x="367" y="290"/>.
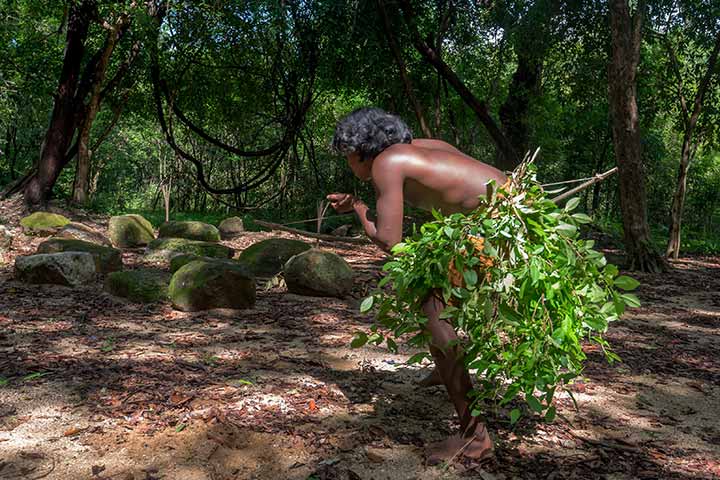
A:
<point x="426" y="174"/>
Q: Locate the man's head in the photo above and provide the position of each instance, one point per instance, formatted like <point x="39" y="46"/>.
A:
<point x="363" y="134"/>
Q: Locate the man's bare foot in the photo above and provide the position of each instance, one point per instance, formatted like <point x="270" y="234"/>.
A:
<point x="432" y="379"/>
<point x="477" y="446"/>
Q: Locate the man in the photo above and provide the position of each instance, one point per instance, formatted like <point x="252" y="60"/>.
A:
<point x="426" y="174"/>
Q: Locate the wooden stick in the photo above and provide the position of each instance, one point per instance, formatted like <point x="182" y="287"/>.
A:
<point x="319" y="236"/>
<point x="597" y="178"/>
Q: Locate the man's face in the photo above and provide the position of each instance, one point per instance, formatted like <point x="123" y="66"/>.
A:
<point x="361" y="169"/>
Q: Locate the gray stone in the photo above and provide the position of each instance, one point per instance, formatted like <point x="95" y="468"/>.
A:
<point x="139" y="286"/>
<point x="231" y="227"/>
<point x="318" y="273"/>
<point x="130" y="231"/>
<point x="190" y="231"/>
<point x="43" y="223"/>
<point x="66" y="268"/>
<point x="78" y="231"/>
<point x="164" y="249"/>
<point x="204" y="285"/>
<point x="107" y="259"/>
<point x="267" y="257"/>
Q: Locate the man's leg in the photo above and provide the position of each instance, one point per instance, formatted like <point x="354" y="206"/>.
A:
<point x="473" y="441"/>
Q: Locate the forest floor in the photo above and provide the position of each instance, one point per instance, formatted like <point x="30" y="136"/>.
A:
<point x="93" y="387"/>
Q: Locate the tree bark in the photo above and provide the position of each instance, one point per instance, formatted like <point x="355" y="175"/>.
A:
<point x="63" y="120"/>
<point x="514" y="111"/>
<point x="625" y="32"/>
<point x="689" y="122"/>
<point x="82" y="172"/>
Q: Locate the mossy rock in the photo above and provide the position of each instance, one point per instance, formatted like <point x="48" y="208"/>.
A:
<point x="204" y="285"/>
<point x="267" y="257"/>
<point x="78" y="231"/>
<point x="65" y="268"/>
<point x="164" y="249"/>
<point x="107" y="259"/>
<point x="318" y="273"/>
<point x="43" y="223"/>
<point x="130" y="231"/>
<point x="231" y="227"/>
<point x="139" y="286"/>
<point x="179" y="261"/>
<point x="189" y="230"/>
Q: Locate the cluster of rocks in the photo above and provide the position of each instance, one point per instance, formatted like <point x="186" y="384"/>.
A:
<point x="203" y="274"/>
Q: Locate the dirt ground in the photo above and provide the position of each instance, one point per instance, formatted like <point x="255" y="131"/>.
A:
<point x="93" y="387"/>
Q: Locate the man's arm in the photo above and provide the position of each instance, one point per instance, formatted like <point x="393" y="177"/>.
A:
<point x="386" y="230"/>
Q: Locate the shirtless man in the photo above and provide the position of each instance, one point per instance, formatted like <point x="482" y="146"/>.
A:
<point x="426" y="174"/>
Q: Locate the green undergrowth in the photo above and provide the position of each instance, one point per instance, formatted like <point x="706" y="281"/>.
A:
<point x="692" y="241"/>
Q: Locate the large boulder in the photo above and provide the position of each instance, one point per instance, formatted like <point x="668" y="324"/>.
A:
<point x="267" y="257"/>
<point x="189" y="230"/>
<point x="164" y="249"/>
<point x="318" y="273"/>
<point x="130" y="231"/>
<point x="78" y="231"/>
<point x="6" y="238"/>
<point x="231" y="227"/>
<point x="203" y="285"/>
<point x="139" y="286"/>
<point x="66" y="268"/>
<point x="179" y="261"/>
<point x="43" y="223"/>
<point x="107" y="259"/>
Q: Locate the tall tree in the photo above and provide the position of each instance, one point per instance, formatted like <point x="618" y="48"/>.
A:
<point x="626" y="35"/>
<point x="63" y="120"/>
<point x="690" y="112"/>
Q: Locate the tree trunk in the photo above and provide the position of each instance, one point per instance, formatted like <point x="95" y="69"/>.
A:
<point x="690" y="120"/>
<point x="673" y="247"/>
<point x="82" y="172"/>
<point x="625" y="38"/>
<point x="514" y="112"/>
<point x="63" y="120"/>
<point x="508" y="158"/>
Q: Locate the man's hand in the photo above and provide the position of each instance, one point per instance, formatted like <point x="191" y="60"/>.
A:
<point x="341" y="202"/>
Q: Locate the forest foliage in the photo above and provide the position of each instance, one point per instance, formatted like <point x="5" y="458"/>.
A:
<point x="251" y="92"/>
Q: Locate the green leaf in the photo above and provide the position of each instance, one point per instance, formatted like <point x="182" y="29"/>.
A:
<point x="630" y="300"/>
<point x="550" y="414"/>
<point x="180" y="427"/>
<point x="572" y="204"/>
<point x="626" y="283"/>
<point x="417" y="358"/>
<point x="391" y="344"/>
<point x="360" y="339"/>
<point x="514" y="416"/>
<point x="534" y="403"/>
<point x="35" y="375"/>
<point x="470" y="277"/>
<point x="367" y="304"/>
<point x="566" y="229"/>
<point x="4" y="381"/>
<point x="581" y="218"/>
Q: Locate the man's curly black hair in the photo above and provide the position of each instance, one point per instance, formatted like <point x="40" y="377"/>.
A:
<point x="369" y="131"/>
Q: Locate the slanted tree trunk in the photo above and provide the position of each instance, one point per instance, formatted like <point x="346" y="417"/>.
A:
<point x="508" y="157"/>
<point x="625" y="30"/>
<point x="63" y="120"/>
<point x="690" y="120"/>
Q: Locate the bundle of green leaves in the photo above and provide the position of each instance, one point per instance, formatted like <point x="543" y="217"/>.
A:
<point x="522" y="291"/>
